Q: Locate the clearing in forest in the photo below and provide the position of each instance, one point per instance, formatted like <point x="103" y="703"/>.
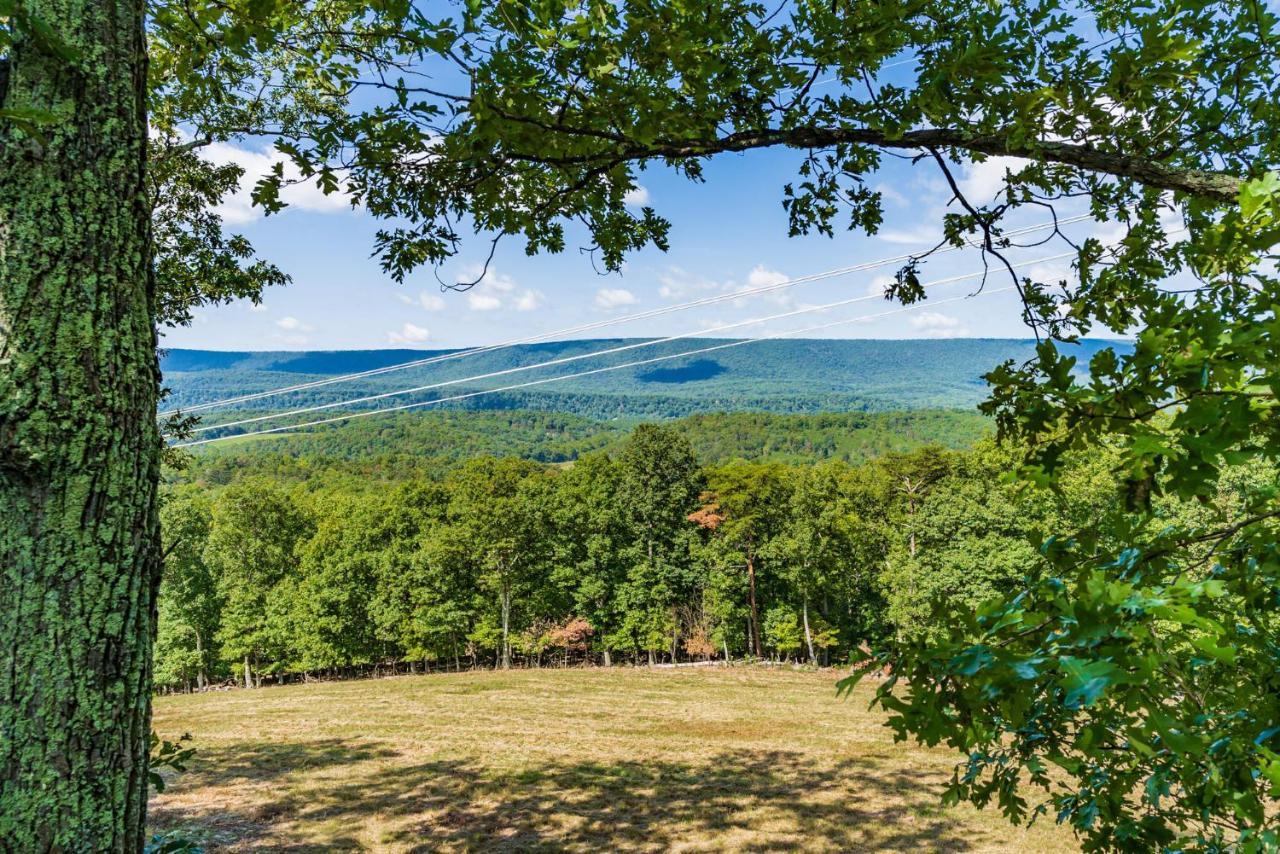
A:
<point x="696" y="759"/>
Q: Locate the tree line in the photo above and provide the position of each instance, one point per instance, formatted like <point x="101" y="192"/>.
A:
<point x="643" y="555"/>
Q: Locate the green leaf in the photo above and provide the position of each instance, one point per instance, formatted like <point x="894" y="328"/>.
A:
<point x="1087" y="681"/>
<point x="1209" y="647"/>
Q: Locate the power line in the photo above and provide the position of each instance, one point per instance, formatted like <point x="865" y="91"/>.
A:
<point x="599" y="324"/>
<point x="593" y="371"/>
<point x="909" y="61"/>
<point x="606" y="352"/>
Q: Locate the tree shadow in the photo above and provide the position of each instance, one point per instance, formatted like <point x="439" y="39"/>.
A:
<point x="263" y="761"/>
<point x="244" y="766"/>
<point x="765" y="800"/>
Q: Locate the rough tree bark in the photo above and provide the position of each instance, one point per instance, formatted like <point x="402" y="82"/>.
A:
<point x="79" y="450"/>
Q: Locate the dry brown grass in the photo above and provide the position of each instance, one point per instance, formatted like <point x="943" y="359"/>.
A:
<point x="575" y="760"/>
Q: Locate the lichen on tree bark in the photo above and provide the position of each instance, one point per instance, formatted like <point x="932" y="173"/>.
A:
<point x="79" y="450"/>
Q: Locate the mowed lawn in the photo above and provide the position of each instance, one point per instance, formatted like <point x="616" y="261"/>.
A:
<point x="694" y="759"/>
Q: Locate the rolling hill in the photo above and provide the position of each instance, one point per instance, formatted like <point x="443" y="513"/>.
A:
<point x="782" y="376"/>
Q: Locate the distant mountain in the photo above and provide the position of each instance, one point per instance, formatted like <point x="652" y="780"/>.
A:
<point x="783" y="376"/>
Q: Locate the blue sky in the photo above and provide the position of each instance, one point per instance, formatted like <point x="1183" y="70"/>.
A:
<point x="727" y="233"/>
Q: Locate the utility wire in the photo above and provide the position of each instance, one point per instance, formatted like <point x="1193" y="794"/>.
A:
<point x="639" y="363"/>
<point x="909" y="61"/>
<point x="599" y="324"/>
<point x="653" y="342"/>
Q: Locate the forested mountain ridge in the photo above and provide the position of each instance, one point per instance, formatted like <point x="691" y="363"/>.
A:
<point x="776" y="376"/>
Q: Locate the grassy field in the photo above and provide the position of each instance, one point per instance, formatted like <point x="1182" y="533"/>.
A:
<point x="577" y="760"/>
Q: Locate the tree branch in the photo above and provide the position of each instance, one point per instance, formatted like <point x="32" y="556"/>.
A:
<point x="1218" y="186"/>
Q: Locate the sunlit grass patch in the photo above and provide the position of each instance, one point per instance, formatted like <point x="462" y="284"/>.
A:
<point x="578" y="760"/>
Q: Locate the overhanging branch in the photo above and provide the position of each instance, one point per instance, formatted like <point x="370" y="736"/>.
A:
<point x="1217" y="186"/>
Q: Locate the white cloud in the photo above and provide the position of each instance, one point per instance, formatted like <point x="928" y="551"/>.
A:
<point x="294" y="332"/>
<point x="879" y="286"/>
<point x="761" y="277"/>
<point x="483" y="302"/>
<point x="432" y="302"/>
<point x="934" y="320"/>
<point x="499" y="282"/>
<point x="257" y="308"/>
<point x="530" y="300"/>
<point x="409" y="334"/>
<point x="934" y="324"/>
<point x="490" y="278"/>
<point x="981" y="181"/>
<point x="292" y="324"/>
<point x="921" y="234"/>
<point x="1108" y="233"/>
<point x="1051" y="273"/>
<point x="1170" y="218"/>
<point x="889" y="194"/>
<point x="610" y="298"/>
<point x="636" y="197"/>
<point x="237" y="208"/>
<point x="426" y="299"/>
<point x="482" y="296"/>
<point x="677" y="283"/>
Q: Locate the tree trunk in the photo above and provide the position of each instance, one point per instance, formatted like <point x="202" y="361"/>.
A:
<point x="79" y="449"/>
<point x="755" y="611"/>
<point x="911" y="515"/>
<point x="506" y="630"/>
<point x="608" y="661"/>
<point x="201" y="679"/>
<point x="248" y="673"/>
<point x="808" y="635"/>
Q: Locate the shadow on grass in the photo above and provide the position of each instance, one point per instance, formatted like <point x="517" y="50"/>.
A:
<point x="756" y="800"/>
<point x="263" y="761"/>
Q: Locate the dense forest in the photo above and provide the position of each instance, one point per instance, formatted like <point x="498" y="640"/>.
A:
<point x="642" y="553"/>
<point x="393" y="445"/>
